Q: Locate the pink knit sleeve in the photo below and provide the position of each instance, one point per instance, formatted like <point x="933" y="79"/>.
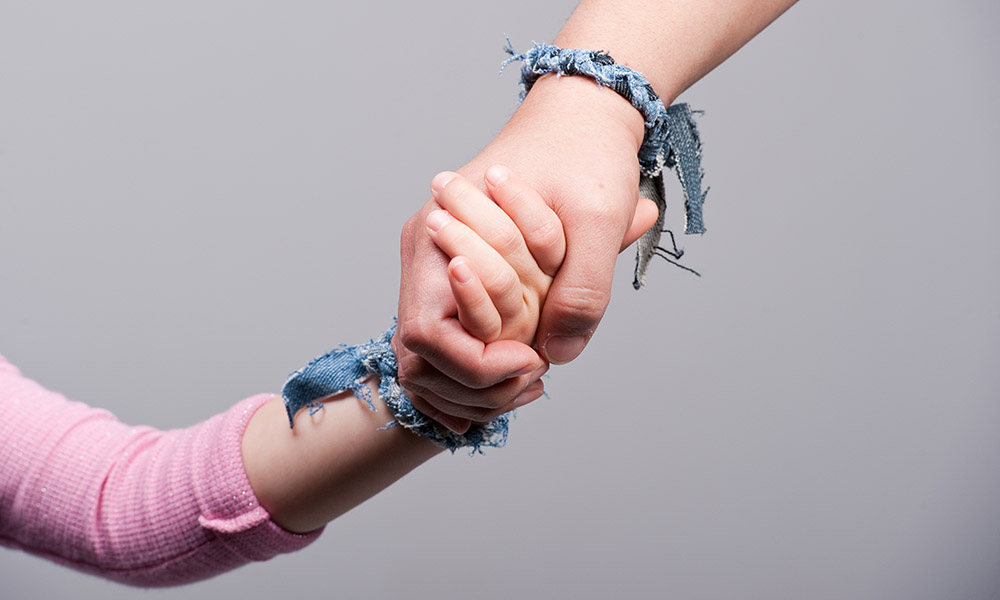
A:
<point x="133" y="504"/>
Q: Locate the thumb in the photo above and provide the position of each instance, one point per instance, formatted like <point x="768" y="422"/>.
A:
<point x="581" y="290"/>
<point x="646" y="215"/>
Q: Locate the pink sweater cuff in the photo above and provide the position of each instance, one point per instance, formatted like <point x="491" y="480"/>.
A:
<point x="133" y="504"/>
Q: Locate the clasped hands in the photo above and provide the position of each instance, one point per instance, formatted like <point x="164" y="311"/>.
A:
<point x="508" y="267"/>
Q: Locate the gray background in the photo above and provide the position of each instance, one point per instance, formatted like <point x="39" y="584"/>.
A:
<point x="197" y="197"/>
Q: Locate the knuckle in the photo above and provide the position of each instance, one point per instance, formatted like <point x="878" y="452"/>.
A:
<point x="507" y="241"/>
<point x="416" y="334"/>
<point x="599" y="210"/>
<point x="460" y="191"/>
<point x="577" y="308"/>
<point x="545" y="236"/>
<point x="412" y="372"/>
<point x="517" y="195"/>
<point x="502" y="282"/>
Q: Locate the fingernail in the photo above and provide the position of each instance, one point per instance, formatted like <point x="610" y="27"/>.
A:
<point x="437" y="219"/>
<point x="525" y="371"/>
<point x="455" y="424"/>
<point x="560" y="349"/>
<point x="538" y="372"/>
<point x="440" y="180"/>
<point x="531" y="394"/>
<point x="461" y="271"/>
<point x="497" y="174"/>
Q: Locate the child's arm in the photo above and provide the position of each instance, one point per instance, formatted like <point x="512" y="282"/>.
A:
<point x="331" y="461"/>
<point x="336" y="458"/>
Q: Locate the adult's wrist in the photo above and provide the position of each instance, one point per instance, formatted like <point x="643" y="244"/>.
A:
<point x="582" y="98"/>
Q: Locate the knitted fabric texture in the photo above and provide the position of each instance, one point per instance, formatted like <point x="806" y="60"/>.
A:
<point x="347" y="367"/>
<point x="133" y="504"/>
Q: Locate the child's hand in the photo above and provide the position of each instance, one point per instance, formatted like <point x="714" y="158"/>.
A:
<point x="505" y="252"/>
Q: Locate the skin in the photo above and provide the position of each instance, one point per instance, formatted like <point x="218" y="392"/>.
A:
<point x="576" y="144"/>
<point x="335" y="458"/>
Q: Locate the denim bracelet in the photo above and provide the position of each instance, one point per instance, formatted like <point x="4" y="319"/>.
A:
<point x="347" y="368"/>
<point x="671" y="137"/>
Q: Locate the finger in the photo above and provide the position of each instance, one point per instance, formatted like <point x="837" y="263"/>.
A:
<point x="497" y="276"/>
<point x="538" y="223"/>
<point x="427" y="324"/>
<point x="475" y="209"/>
<point x="425" y="380"/>
<point x="455" y="424"/>
<point x="476" y="311"/>
<point x="530" y="394"/>
<point x="446" y="346"/>
<point x="450" y="413"/>
<point x="582" y="288"/>
<point x="646" y="216"/>
<point x="424" y="292"/>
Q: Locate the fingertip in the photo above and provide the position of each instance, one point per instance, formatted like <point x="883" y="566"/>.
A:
<point x="512" y="358"/>
<point x="461" y="271"/>
<point x="561" y="349"/>
<point x="456" y="424"/>
<point x="646" y="215"/>
<point x="437" y="219"/>
<point x="496" y="175"/>
<point x="440" y="180"/>
<point x="646" y="211"/>
<point x="530" y="394"/>
<point x="528" y="369"/>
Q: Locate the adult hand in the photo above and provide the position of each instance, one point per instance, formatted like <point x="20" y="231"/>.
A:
<point x="576" y="144"/>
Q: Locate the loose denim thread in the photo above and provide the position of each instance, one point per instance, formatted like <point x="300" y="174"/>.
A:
<point x="671" y="137"/>
<point x="671" y="140"/>
<point x="347" y="367"/>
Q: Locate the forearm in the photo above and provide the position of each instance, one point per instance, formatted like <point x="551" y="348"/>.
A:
<point x="331" y="461"/>
<point x="674" y="43"/>
<point x="576" y="144"/>
<point x="133" y="504"/>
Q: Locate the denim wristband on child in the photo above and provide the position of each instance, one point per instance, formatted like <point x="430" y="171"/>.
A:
<point x="671" y="137"/>
<point x="347" y="368"/>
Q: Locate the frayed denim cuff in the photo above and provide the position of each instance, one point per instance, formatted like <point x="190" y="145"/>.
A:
<point x="671" y="138"/>
<point x="347" y="368"/>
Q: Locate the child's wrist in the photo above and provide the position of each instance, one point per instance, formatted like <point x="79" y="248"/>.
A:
<point x="350" y="368"/>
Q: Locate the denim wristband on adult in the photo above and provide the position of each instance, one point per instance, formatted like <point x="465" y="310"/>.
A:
<point x="347" y="368"/>
<point x="671" y="137"/>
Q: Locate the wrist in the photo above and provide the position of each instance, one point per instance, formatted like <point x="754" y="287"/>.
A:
<point x="582" y="98"/>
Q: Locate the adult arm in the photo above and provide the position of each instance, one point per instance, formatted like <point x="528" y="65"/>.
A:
<point x="575" y="143"/>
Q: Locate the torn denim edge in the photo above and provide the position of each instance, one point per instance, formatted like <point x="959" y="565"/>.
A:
<point x="684" y="143"/>
<point x="671" y="136"/>
<point x="347" y="367"/>
<point x="652" y="188"/>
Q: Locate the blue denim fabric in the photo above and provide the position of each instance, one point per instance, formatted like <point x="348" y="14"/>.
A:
<point x="671" y="138"/>
<point x="684" y="156"/>
<point x="346" y="368"/>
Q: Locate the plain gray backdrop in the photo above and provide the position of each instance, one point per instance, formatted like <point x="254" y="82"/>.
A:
<point x="198" y="197"/>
